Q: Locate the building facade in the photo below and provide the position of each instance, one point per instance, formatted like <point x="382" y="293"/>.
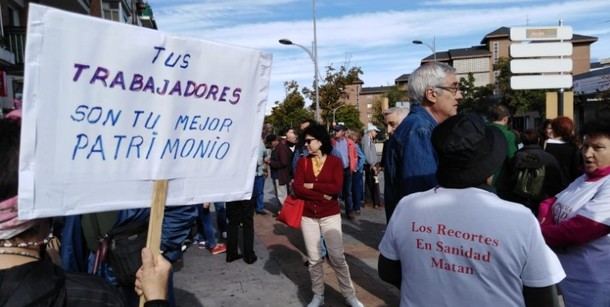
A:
<point x="13" y="21"/>
<point x="364" y="98"/>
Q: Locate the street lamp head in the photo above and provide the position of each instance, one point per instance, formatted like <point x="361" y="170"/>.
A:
<point x="285" y="41"/>
<point x="417" y="42"/>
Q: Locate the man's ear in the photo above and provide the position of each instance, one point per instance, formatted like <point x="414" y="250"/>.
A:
<point x="430" y="95"/>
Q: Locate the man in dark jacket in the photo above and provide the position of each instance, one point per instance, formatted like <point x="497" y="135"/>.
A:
<point x="410" y="160"/>
<point x="532" y="156"/>
<point x="279" y="162"/>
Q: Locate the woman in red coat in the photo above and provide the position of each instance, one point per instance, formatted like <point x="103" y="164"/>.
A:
<point x="318" y="180"/>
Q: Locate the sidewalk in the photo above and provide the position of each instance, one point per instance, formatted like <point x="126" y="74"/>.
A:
<point x="279" y="277"/>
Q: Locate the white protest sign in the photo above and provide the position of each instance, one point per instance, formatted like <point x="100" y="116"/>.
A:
<point x="110" y="107"/>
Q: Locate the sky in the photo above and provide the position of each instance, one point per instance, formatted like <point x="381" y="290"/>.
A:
<point x="373" y="35"/>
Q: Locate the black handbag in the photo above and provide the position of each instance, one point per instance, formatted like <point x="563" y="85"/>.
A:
<point x="124" y="248"/>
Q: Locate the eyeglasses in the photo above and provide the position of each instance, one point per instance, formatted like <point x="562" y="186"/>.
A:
<point x="307" y="141"/>
<point x="451" y="89"/>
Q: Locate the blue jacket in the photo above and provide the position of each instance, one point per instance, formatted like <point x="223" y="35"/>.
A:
<point x="410" y="161"/>
<point x="361" y="158"/>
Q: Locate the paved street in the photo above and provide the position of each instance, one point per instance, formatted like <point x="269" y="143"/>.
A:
<point x="279" y="277"/>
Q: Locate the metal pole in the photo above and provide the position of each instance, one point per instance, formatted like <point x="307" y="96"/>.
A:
<point x="315" y="63"/>
<point x="560" y="92"/>
<point x="560" y="102"/>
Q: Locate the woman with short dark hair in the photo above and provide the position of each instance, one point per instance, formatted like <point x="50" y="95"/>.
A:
<point x="318" y="181"/>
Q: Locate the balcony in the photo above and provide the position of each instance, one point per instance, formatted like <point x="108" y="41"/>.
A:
<point x="14" y="42"/>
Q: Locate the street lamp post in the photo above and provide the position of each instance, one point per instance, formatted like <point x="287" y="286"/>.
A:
<point x="433" y="47"/>
<point x="313" y="54"/>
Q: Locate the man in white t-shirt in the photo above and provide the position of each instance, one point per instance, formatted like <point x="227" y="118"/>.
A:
<point x="459" y="244"/>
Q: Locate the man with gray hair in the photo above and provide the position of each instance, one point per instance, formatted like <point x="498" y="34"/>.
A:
<point x="410" y="160"/>
<point x="371" y="165"/>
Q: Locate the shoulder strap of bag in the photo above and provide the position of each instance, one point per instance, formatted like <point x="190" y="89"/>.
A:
<point x="96" y="226"/>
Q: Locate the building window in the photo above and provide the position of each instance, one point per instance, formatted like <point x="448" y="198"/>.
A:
<point x="13" y="17"/>
<point x="111" y="11"/>
<point x="115" y="11"/>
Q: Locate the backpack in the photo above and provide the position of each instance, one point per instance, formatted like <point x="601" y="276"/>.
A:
<point x="119" y="246"/>
<point x="529" y="175"/>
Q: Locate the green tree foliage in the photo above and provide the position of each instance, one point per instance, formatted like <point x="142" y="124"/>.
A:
<point x="474" y="97"/>
<point x="291" y="112"/>
<point x="332" y="95"/>
<point x="349" y="116"/>
<point x="394" y="95"/>
<point x="518" y="101"/>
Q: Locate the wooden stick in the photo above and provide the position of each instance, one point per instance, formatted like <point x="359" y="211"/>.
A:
<point x="157" y="209"/>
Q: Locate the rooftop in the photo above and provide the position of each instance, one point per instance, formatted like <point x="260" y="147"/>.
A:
<point x="504" y="32"/>
<point x="460" y="53"/>
<point x="376" y="89"/>
<point x="402" y="78"/>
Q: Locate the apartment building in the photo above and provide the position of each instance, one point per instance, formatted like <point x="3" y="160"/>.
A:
<point x="364" y="98"/>
<point x="13" y="21"/>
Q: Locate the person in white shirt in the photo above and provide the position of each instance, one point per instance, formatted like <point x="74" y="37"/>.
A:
<point x="576" y="223"/>
<point x="459" y="244"/>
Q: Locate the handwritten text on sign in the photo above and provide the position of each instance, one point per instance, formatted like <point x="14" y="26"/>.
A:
<point x="109" y="107"/>
<point x="145" y="147"/>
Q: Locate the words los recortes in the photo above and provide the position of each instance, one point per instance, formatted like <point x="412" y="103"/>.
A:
<point x="443" y="230"/>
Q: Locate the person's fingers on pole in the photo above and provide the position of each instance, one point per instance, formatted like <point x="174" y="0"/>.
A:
<point x="148" y="261"/>
<point x="138" y="287"/>
<point x="140" y="273"/>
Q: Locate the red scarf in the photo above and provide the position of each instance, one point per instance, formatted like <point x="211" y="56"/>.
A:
<point x="598" y="174"/>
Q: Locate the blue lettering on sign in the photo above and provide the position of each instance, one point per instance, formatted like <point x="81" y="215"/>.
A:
<point x="136" y="147"/>
<point x="195" y="148"/>
<point x="197" y="122"/>
<point x="93" y="115"/>
<point x="151" y="120"/>
<point x="172" y="59"/>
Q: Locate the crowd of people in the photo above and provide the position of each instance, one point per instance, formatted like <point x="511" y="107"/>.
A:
<point x="478" y="214"/>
